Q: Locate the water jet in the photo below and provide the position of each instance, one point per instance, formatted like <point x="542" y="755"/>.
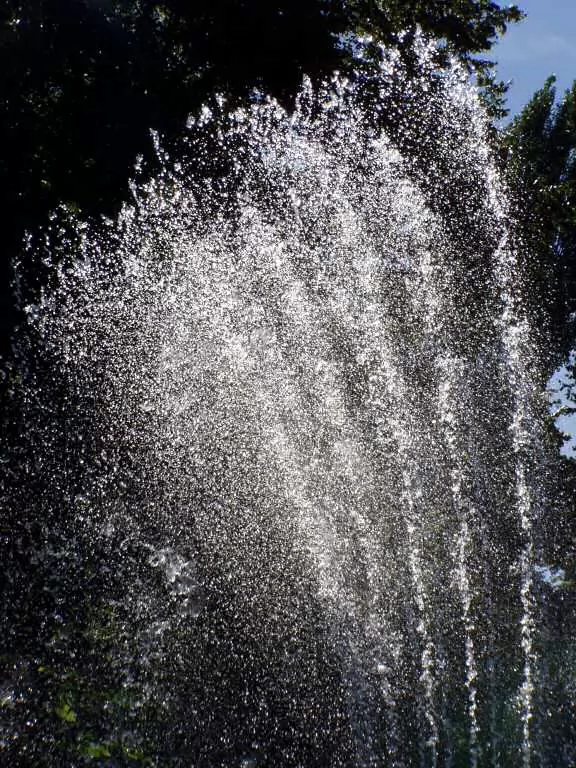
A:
<point x="282" y="471"/>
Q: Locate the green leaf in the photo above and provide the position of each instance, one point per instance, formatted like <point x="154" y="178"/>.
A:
<point x="96" y="750"/>
<point x="66" y="713"/>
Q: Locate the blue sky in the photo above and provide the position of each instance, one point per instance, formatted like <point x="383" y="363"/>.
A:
<point x="543" y="44"/>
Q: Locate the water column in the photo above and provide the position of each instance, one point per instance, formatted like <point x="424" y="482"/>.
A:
<point x="451" y="391"/>
<point x="515" y="336"/>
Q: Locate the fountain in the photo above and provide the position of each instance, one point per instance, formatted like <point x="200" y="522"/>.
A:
<point x="280" y="483"/>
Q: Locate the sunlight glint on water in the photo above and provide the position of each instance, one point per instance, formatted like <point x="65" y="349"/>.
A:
<point x="317" y="367"/>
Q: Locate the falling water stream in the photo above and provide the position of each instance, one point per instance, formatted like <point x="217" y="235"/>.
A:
<point x="287" y="438"/>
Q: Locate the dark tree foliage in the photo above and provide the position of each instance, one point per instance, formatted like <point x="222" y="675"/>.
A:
<point x="82" y="82"/>
<point x="540" y="150"/>
<point x="463" y="27"/>
<point x="541" y="162"/>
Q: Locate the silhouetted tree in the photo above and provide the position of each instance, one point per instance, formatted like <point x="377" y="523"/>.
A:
<point x="83" y="82"/>
<point x="541" y="163"/>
